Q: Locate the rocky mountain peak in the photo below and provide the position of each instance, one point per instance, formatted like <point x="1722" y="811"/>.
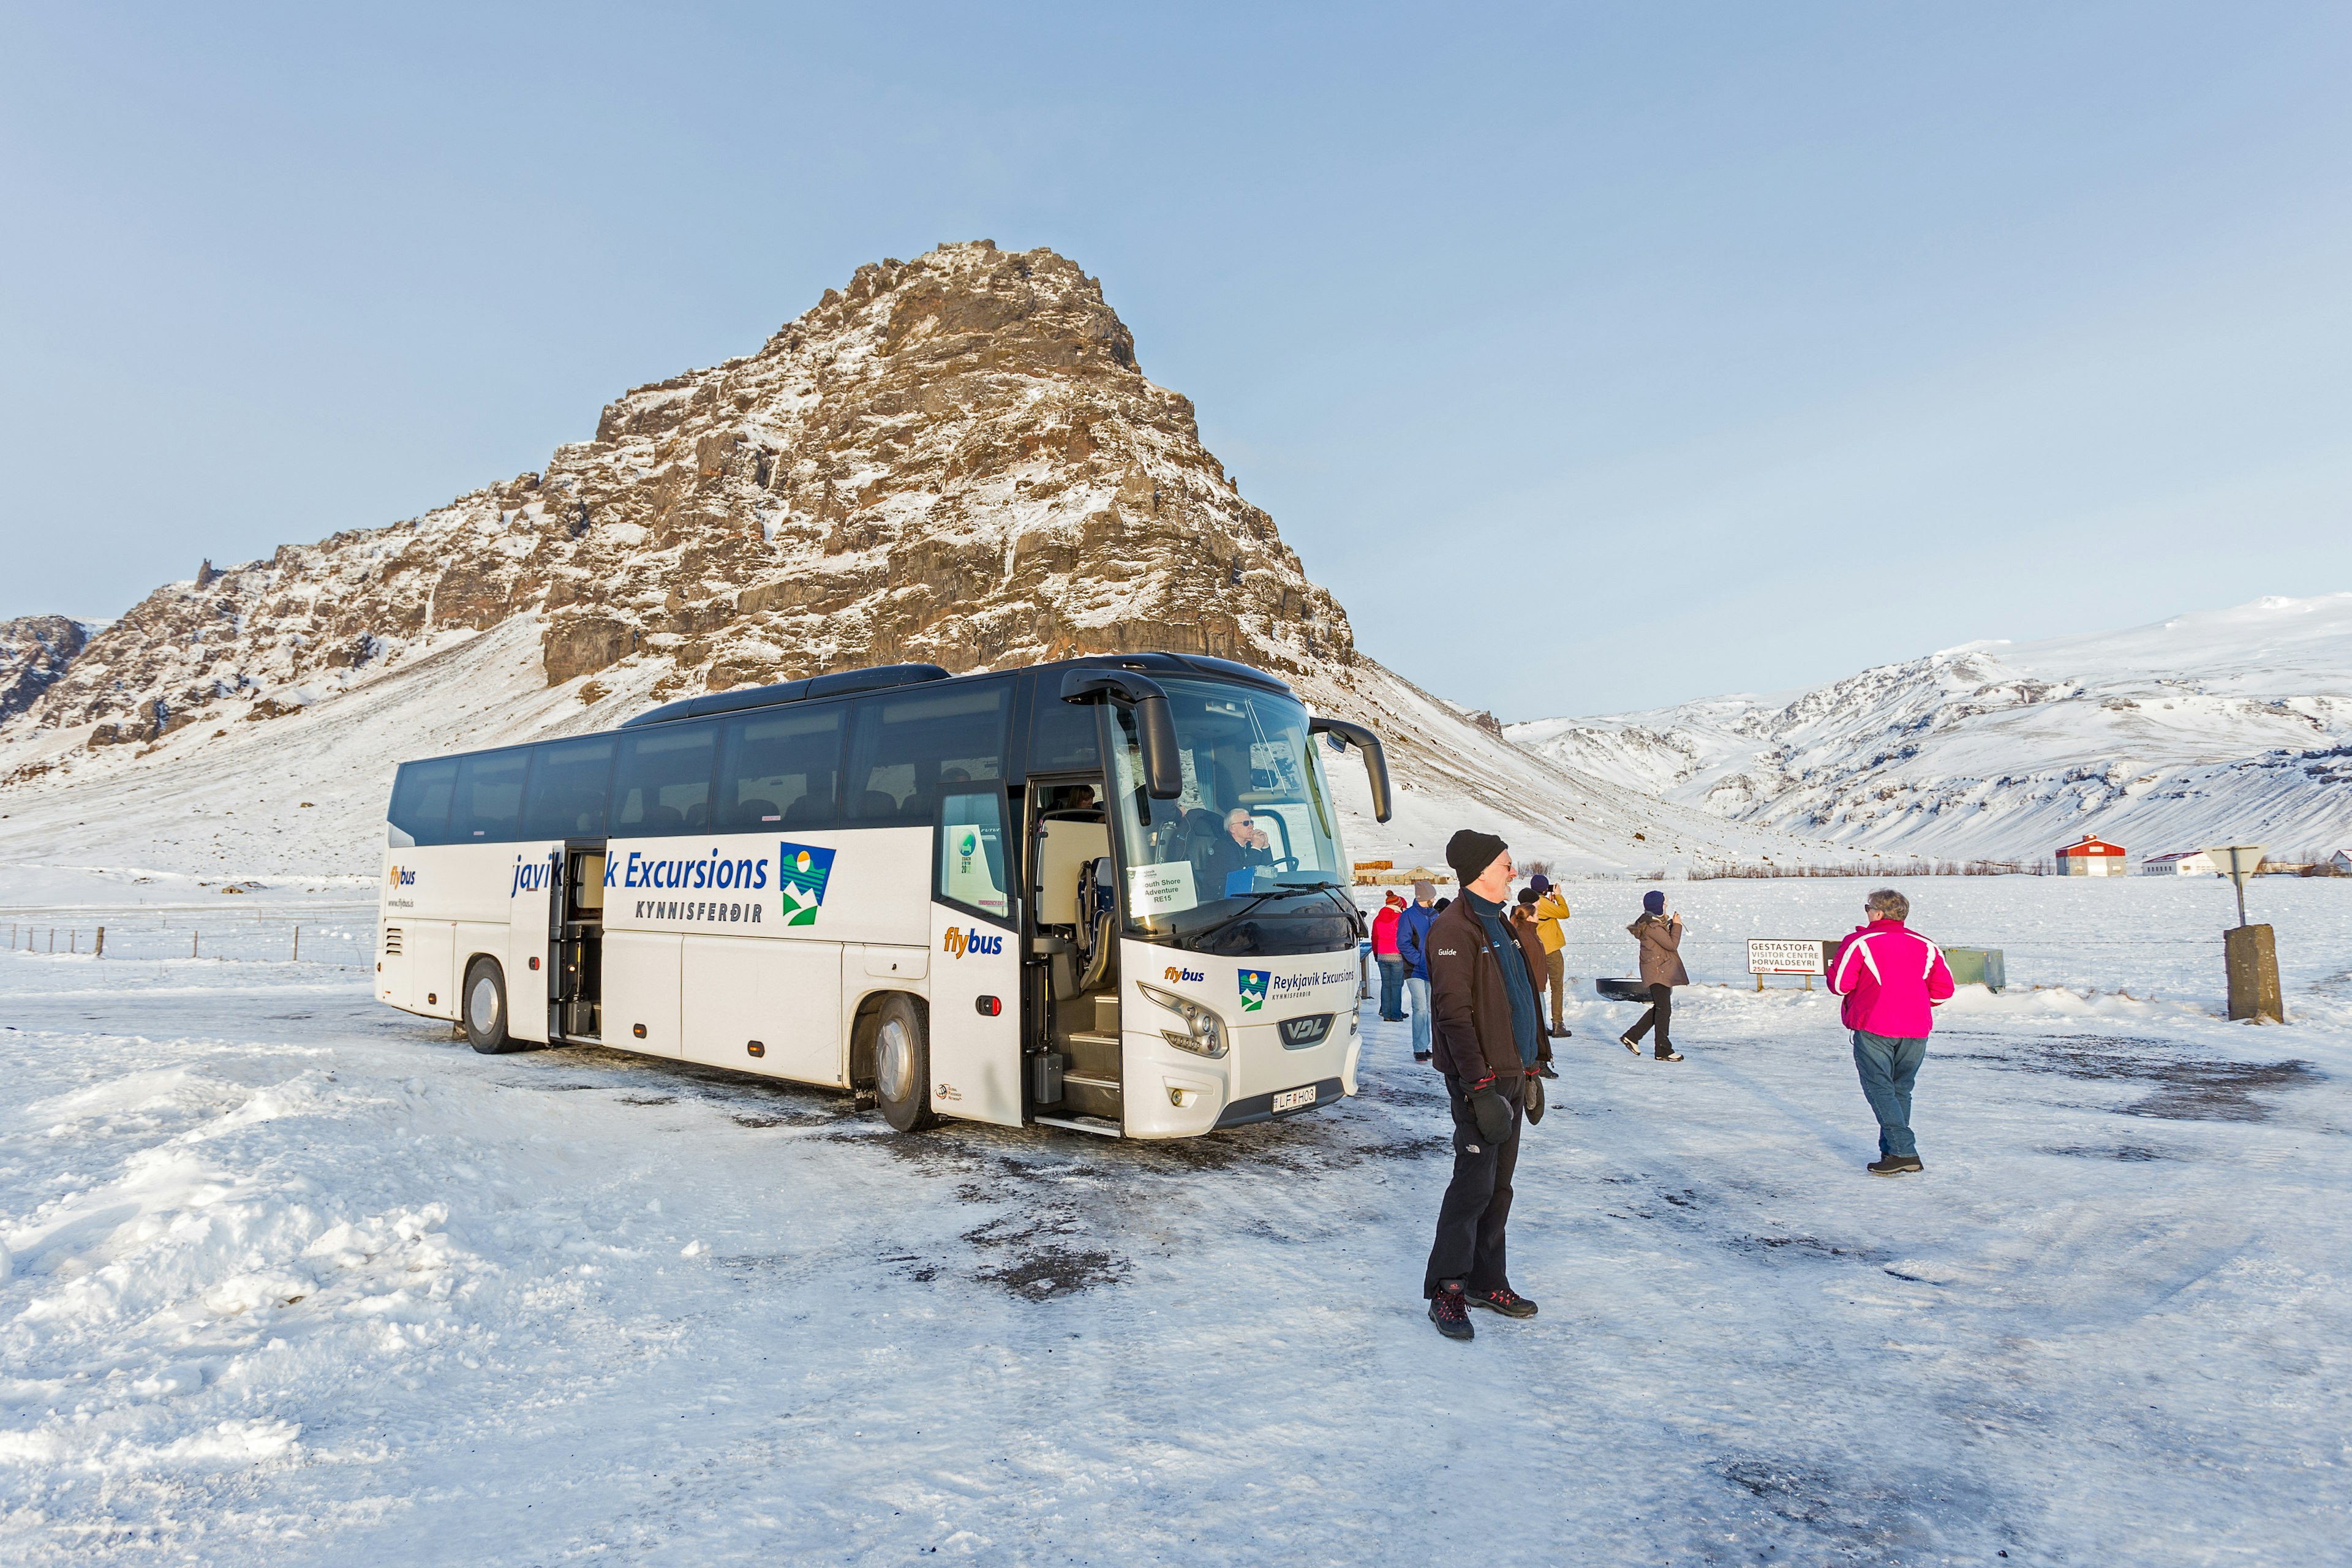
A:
<point x="955" y="458"/>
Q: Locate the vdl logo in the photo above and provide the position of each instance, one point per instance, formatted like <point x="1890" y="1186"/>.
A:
<point x="1177" y="973"/>
<point x="959" y="942"/>
<point x="401" y="877"/>
<point x="1254" y="988"/>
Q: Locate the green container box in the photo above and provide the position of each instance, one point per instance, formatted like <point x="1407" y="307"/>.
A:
<point x="1977" y="966"/>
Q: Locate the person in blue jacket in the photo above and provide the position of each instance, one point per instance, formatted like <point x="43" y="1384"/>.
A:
<point x="1412" y="945"/>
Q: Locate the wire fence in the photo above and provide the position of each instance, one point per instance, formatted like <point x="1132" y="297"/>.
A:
<point x="342" y="938"/>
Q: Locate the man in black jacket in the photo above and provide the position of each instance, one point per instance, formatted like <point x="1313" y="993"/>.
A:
<point x="1482" y="983"/>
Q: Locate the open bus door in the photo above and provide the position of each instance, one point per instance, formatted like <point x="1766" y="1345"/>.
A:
<point x="575" y="945"/>
<point x="975" y="963"/>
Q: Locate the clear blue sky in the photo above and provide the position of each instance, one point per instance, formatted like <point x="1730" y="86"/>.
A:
<point x="1596" y="357"/>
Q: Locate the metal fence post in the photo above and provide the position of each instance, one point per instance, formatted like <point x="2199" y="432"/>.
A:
<point x="298" y="944"/>
<point x="195" y="938"/>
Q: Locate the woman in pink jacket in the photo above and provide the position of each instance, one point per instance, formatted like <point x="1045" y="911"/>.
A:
<point x="1892" y="978"/>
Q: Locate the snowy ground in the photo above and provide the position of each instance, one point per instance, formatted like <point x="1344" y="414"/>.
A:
<point x="300" y="1279"/>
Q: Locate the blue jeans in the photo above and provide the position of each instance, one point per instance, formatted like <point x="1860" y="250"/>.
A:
<point x="1418" y="989"/>
<point x="1392" y="989"/>
<point x="1889" y="1067"/>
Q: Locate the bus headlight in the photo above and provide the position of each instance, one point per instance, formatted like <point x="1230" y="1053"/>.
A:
<point x="1203" y="1032"/>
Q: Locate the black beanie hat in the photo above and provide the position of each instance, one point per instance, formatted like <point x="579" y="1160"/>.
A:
<point x="1470" y="852"/>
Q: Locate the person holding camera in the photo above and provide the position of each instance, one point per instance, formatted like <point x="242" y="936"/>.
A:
<point x="1661" y="937"/>
<point x="1484" y="979"/>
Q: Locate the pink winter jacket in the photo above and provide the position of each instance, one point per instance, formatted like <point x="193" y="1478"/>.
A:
<point x="1891" y="978"/>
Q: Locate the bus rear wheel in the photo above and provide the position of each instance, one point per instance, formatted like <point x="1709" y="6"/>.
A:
<point x="483" y="1008"/>
<point x="902" y="1065"/>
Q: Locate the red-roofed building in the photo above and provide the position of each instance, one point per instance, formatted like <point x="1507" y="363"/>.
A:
<point x="2091" y="858"/>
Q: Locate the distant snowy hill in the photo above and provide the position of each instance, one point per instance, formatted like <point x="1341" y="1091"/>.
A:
<point x="2220" y="724"/>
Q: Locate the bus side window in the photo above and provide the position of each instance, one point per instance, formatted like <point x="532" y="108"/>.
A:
<point x="565" y="797"/>
<point x="662" y="781"/>
<point x="971" y="853"/>
<point x="420" y="799"/>
<point x="489" y="808"/>
<point x="905" y="750"/>
<point x="778" y="770"/>
<point x="1062" y="736"/>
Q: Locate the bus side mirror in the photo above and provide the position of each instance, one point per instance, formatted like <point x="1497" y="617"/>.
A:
<point x="1376" y="761"/>
<point x="1163" y="774"/>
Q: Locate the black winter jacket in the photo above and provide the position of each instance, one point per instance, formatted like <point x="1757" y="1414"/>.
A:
<point x="1469" y="1009"/>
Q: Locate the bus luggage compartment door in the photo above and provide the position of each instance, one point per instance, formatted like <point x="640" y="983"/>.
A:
<point x="975" y="984"/>
<point x="783" y="994"/>
<point x="641" y="990"/>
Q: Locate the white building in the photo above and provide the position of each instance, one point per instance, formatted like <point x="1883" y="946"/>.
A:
<point x="2181" y="863"/>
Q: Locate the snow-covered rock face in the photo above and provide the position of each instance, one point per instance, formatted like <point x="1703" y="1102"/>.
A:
<point x="957" y="460"/>
<point x="2217" y="724"/>
<point x="34" y="652"/>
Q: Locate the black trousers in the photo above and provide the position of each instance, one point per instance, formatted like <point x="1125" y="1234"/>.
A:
<point x="1469" y="1245"/>
<point x="1661" y="1010"/>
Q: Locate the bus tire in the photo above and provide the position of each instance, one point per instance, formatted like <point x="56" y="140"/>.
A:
<point x="902" y="1064"/>
<point x="482" y="1007"/>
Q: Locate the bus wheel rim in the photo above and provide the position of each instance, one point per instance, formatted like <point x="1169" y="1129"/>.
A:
<point x="893" y="1060"/>
<point x="484" y="1008"/>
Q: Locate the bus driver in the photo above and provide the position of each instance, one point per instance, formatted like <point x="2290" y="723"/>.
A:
<point x="1240" y="847"/>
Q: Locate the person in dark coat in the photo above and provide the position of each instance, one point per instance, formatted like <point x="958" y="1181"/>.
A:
<point x="1484" y="981"/>
<point x="1413" y="943"/>
<point x="1661" y="937"/>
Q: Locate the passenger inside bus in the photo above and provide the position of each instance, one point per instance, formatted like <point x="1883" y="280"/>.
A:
<point x="1236" y="848"/>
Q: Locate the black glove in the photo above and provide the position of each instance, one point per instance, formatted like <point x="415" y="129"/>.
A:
<point x="1492" y="1112"/>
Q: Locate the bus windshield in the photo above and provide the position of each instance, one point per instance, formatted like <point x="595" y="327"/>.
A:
<point x="1254" y="832"/>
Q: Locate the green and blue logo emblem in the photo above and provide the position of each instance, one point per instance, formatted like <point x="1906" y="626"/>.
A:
<point x="1254" y="984"/>
<point x="802" y="872"/>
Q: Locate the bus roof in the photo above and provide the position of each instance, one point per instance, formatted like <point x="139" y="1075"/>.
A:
<point x="881" y="677"/>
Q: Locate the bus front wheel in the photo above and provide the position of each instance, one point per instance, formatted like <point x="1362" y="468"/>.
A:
<point x="483" y="1011"/>
<point x="902" y="1065"/>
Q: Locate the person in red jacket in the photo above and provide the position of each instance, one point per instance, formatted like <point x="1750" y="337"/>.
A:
<point x="1892" y="979"/>
<point x="1391" y="961"/>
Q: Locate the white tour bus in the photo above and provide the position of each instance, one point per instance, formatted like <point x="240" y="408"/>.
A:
<point x="1106" y="894"/>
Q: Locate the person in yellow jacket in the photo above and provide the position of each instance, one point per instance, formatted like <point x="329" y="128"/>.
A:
<point x="1550" y="910"/>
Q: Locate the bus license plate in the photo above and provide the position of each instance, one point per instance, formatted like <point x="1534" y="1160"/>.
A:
<point x="1292" y="1098"/>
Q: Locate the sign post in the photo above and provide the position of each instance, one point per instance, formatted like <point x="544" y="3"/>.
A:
<point x="1786" y="955"/>
<point x="2249" y="952"/>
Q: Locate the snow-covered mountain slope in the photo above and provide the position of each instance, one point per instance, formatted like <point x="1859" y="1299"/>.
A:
<point x="955" y="460"/>
<point x="2225" y="724"/>
<point x="304" y="794"/>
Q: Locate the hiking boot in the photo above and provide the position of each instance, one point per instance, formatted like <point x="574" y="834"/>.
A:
<point x="1506" y="1300"/>
<point x="1452" y="1318"/>
<point x="1560" y="1033"/>
<point x="1896" y="1166"/>
<point x="1629" y="1044"/>
<point x="1670" y="1054"/>
<point x="1544" y="1070"/>
<point x="1421" y="1056"/>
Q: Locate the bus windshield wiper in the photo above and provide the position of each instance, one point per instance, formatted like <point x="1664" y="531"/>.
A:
<point x="1255" y="899"/>
<point x="1329" y="889"/>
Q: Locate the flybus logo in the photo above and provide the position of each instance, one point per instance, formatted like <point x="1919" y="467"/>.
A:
<point x="959" y="942"/>
<point x="1254" y="988"/>
<point x="802" y="872"/>
<point x="401" y="877"/>
<point x="1177" y="973"/>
